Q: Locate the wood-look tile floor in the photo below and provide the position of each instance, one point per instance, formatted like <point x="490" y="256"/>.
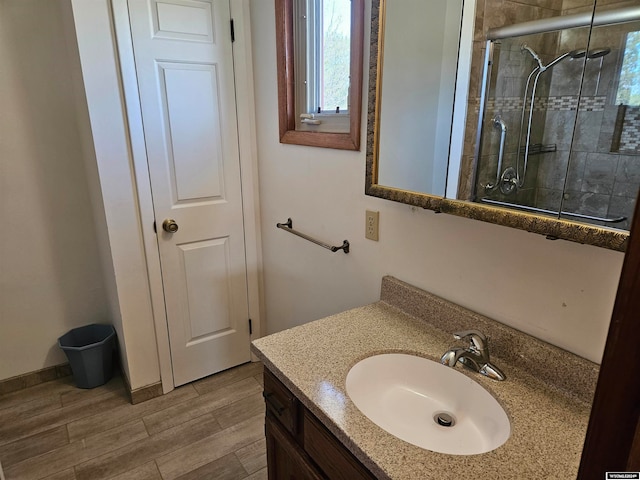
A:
<point x="210" y="429"/>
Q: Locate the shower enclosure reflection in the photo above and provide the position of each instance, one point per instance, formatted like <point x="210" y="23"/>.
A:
<point x="559" y="117"/>
<point x="547" y="135"/>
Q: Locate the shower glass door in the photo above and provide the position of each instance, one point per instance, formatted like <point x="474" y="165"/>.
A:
<point x="528" y="121"/>
<point x="603" y="175"/>
<point x="559" y="128"/>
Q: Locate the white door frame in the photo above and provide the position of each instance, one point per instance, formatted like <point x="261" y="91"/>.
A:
<point x="243" y="74"/>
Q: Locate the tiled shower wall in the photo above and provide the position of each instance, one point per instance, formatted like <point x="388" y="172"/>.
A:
<point x="599" y="182"/>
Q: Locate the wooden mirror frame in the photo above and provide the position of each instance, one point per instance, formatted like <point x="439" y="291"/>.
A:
<point x="286" y="84"/>
<point x="552" y="228"/>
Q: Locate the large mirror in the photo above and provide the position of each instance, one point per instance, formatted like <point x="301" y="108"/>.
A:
<point x="418" y="95"/>
<point x="319" y="46"/>
<point x="543" y="127"/>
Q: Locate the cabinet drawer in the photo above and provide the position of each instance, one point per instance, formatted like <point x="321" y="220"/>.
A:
<point x="281" y="403"/>
<point x="332" y="457"/>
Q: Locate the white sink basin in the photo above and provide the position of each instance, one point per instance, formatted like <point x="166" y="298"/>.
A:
<point x="405" y="394"/>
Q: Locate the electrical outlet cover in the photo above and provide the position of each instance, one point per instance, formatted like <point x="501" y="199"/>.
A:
<point x="371" y="225"/>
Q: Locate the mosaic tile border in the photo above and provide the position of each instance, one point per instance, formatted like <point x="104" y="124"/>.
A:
<point x="630" y="137"/>
<point x="557" y="103"/>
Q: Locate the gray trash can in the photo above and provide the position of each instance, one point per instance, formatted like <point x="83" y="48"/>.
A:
<point x="90" y="353"/>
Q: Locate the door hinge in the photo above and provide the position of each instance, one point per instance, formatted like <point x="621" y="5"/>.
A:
<point x="155" y="229"/>
<point x="233" y="31"/>
<point x="250" y="327"/>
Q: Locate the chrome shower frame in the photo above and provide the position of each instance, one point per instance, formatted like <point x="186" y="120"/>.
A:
<point x="488" y="65"/>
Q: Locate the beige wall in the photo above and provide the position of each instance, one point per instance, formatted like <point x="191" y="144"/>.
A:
<point x="50" y="274"/>
<point x="558" y="291"/>
<point x="69" y="199"/>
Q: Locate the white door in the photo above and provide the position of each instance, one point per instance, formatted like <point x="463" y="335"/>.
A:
<point x="184" y="64"/>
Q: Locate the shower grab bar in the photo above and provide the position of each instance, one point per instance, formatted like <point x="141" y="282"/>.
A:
<point x="552" y="24"/>
<point x="288" y="227"/>
<point x="553" y="212"/>
<point x="499" y="123"/>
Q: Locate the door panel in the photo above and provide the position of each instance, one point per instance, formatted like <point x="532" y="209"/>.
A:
<point x="206" y="275"/>
<point x="182" y="20"/>
<point x="191" y="98"/>
<point x="183" y="56"/>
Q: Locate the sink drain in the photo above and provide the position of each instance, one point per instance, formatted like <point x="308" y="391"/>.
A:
<point x="444" y="419"/>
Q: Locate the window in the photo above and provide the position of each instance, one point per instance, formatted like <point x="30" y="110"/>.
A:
<point x="319" y="55"/>
<point x="323" y="39"/>
<point x="629" y="82"/>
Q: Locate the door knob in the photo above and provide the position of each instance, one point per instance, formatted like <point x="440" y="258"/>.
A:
<point x="170" y="225"/>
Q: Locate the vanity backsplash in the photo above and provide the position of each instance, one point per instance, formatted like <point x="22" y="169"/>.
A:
<point x="550" y="364"/>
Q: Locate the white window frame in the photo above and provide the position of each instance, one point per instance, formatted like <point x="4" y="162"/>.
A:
<point x="307" y="33"/>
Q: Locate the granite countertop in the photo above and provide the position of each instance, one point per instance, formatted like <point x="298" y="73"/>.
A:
<point x="549" y="414"/>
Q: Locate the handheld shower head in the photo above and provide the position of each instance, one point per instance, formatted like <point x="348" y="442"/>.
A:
<point x="535" y="56"/>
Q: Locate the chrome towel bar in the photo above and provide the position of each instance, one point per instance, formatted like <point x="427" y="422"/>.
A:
<point x="288" y="227"/>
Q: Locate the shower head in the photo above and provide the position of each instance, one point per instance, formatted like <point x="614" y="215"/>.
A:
<point x="591" y="54"/>
<point x="535" y="56"/>
<point x="598" y="52"/>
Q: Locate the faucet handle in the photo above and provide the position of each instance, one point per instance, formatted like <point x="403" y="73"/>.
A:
<point x="477" y="339"/>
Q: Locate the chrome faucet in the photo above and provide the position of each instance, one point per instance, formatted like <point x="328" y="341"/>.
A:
<point x="474" y="357"/>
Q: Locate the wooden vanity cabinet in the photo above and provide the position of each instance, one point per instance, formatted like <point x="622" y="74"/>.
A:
<point x="299" y="447"/>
